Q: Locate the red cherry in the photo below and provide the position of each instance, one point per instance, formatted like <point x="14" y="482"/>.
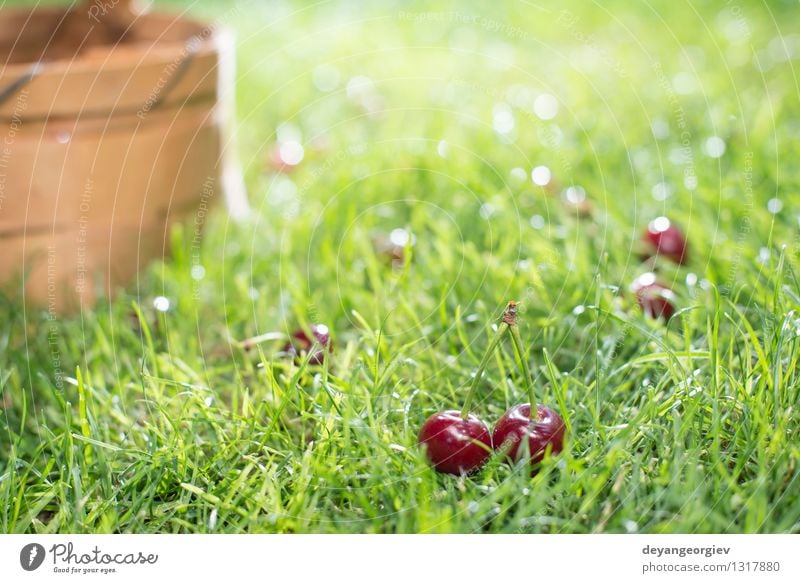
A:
<point x="455" y="445"/>
<point x="656" y="299"/>
<point x="664" y="239"/>
<point x="392" y="247"/>
<point x="301" y="342"/>
<point x="516" y="425"/>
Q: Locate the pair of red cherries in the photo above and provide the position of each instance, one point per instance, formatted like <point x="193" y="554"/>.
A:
<point x="459" y="442"/>
<point x="661" y="239"/>
<point x="457" y="445"/>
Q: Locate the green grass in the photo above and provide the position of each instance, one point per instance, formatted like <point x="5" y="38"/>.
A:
<point x="168" y="426"/>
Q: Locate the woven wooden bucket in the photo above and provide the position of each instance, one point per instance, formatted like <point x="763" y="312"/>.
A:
<point x="111" y="130"/>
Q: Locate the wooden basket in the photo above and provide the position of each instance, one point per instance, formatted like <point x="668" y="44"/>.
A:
<point x="110" y="131"/>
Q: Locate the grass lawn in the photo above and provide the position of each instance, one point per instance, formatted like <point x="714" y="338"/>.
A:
<point x="131" y="418"/>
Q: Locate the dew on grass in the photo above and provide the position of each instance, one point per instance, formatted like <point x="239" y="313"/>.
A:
<point x="691" y="279"/>
<point x="401" y="237"/>
<point x="503" y="119"/>
<point x="661" y="191"/>
<point x="291" y="152"/>
<point x="161" y="304"/>
<point x="690" y="181"/>
<point x="782" y="48"/>
<point x="212" y="520"/>
<point x="578" y="310"/>
<point x="326" y="78"/>
<point x="545" y="106"/>
<point x="541" y="175"/>
<point x="642" y="159"/>
<point x="253" y="293"/>
<point x="359" y="87"/>
<point x="774" y="205"/>
<point x="660" y="128"/>
<point x="473" y="507"/>
<point x="519" y="174"/>
<point x="486" y="211"/>
<point x="618" y="427"/>
<point x="763" y="255"/>
<point x="575" y="194"/>
<point x="630" y="526"/>
<point x="283" y="191"/>
<point x="63" y="137"/>
<point x="733" y="26"/>
<point x="209" y="401"/>
<point x="442" y="148"/>
<point x="537" y="222"/>
<point x="715" y="147"/>
<point x="198" y="272"/>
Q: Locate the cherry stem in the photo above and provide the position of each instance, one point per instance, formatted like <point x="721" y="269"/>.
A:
<point x="485" y="361"/>
<point x="515" y="336"/>
<point x="509" y="318"/>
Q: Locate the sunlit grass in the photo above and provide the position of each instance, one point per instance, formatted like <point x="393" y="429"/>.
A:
<point x="130" y="419"/>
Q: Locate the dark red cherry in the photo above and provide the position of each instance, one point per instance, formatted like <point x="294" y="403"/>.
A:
<point x="455" y="445"/>
<point x="656" y="299"/>
<point x="392" y="247"/>
<point x="516" y="426"/>
<point x="663" y="239"/>
<point x="301" y="343"/>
